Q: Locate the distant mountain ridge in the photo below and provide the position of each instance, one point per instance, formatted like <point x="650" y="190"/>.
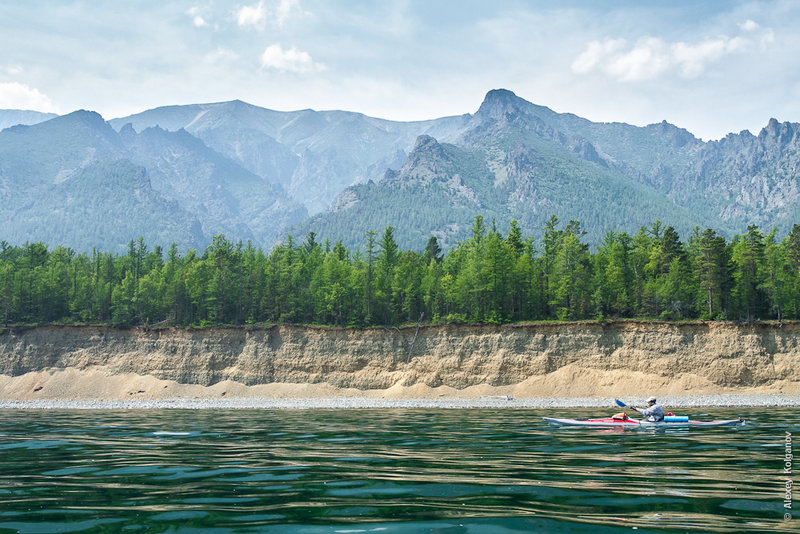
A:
<point x="255" y="174"/>
<point x="13" y="117"/>
<point x="74" y="180"/>
<point x="314" y="155"/>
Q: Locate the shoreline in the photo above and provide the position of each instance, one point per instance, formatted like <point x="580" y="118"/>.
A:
<point x="727" y="400"/>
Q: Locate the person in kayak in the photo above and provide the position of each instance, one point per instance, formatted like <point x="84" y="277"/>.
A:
<point x="653" y="412"/>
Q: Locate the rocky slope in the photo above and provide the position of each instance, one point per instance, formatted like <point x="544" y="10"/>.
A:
<point x="573" y="360"/>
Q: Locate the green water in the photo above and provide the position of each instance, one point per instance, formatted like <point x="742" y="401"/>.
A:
<point x="347" y="471"/>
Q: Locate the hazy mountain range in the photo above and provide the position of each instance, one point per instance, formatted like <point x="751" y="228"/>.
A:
<point x="13" y="117"/>
<point x="185" y="173"/>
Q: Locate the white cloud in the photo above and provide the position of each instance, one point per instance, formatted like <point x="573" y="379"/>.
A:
<point x="15" y="95"/>
<point x="651" y="57"/>
<point x="645" y="61"/>
<point x="692" y="59"/>
<point x="749" y="26"/>
<point x="595" y="52"/>
<point x="197" y="18"/>
<point x="292" y="60"/>
<point x="252" y="15"/>
<point x="284" y="10"/>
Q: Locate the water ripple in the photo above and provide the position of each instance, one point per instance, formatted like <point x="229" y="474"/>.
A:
<point x="372" y="470"/>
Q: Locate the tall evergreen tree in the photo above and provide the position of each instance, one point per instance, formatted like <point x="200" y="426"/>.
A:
<point x="387" y="261"/>
<point x="712" y="270"/>
<point x="572" y="271"/>
<point x="748" y="259"/>
<point x="433" y="252"/>
<point x="369" y="275"/>
<point x="551" y="243"/>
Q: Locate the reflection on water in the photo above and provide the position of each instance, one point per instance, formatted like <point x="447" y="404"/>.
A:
<point x="386" y="471"/>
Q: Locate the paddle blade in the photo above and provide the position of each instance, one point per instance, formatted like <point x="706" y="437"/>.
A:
<point x="620" y="403"/>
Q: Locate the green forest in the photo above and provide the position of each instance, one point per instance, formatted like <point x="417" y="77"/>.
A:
<point x="488" y="278"/>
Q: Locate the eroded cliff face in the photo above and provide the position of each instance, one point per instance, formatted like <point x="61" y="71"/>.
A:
<point x="569" y="357"/>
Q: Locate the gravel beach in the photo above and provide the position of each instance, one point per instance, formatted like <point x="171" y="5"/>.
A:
<point x="338" y="403"/>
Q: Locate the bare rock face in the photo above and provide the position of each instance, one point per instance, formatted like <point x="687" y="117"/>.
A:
<point x="722" y="354"/>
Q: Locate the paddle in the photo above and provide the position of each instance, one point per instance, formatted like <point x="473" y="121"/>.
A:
<point x="623" y="405"/>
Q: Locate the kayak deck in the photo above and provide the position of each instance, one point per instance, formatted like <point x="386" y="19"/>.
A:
<point x="637" y="423"/>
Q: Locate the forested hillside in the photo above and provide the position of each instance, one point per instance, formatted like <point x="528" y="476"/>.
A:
<point x="488" y="277"/>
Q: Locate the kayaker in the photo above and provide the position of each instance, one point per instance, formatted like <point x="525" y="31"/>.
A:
<point x="653" y="412"/>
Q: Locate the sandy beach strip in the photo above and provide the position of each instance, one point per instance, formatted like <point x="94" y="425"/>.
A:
<point x="339" y="403"/>
<point x="99" y="389"/>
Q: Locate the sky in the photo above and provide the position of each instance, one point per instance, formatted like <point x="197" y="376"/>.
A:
<point x="712" y="67"/>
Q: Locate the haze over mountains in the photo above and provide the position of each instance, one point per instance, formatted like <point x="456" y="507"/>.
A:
<point x="12" y="117"/>
<point x="186" y="173"/>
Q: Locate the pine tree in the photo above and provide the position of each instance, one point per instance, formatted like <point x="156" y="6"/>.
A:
<point x="712" y="269"/>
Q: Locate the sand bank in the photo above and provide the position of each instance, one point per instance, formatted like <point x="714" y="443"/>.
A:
<point x="71" y="388"/>
<point x="465" y="363"/>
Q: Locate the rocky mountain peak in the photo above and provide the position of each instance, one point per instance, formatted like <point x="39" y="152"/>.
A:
<point x="127" y="133"/>
<point x="499" y="102"/>
<point x="779" y="133"/>
<point x="776" y="136"/>
<point x="90" y="118"/>
<point x="426" y="148"/>
<point x="678" y="136"/>
<point x="426" y="143"/>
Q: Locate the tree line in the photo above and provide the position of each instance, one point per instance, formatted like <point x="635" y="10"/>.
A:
<point x="488" y="278"/>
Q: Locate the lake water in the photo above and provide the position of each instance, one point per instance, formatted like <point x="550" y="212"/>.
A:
<point x="350" y="471"/>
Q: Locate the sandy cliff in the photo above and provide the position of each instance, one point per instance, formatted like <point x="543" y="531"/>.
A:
<point x="578" y="359"/>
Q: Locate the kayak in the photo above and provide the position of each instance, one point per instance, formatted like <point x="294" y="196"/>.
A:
<point x="612" y="422"/>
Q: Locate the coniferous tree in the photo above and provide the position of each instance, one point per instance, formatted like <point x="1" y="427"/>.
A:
<point x="551" y="243"/>
<point x="433" y="252"/>
<point x="792" y="246"/>
<point x="777" y="275"/>
<point x="612" y="277"/>
<point x="748" y="260"/>
<point x="639" y="258"/>
<point x="514" y="238"/>
<point x="387" y="261"/>
<point x="712" y="270"/>
<point x="572" y="270"/>
<point x="369" y="275"/>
